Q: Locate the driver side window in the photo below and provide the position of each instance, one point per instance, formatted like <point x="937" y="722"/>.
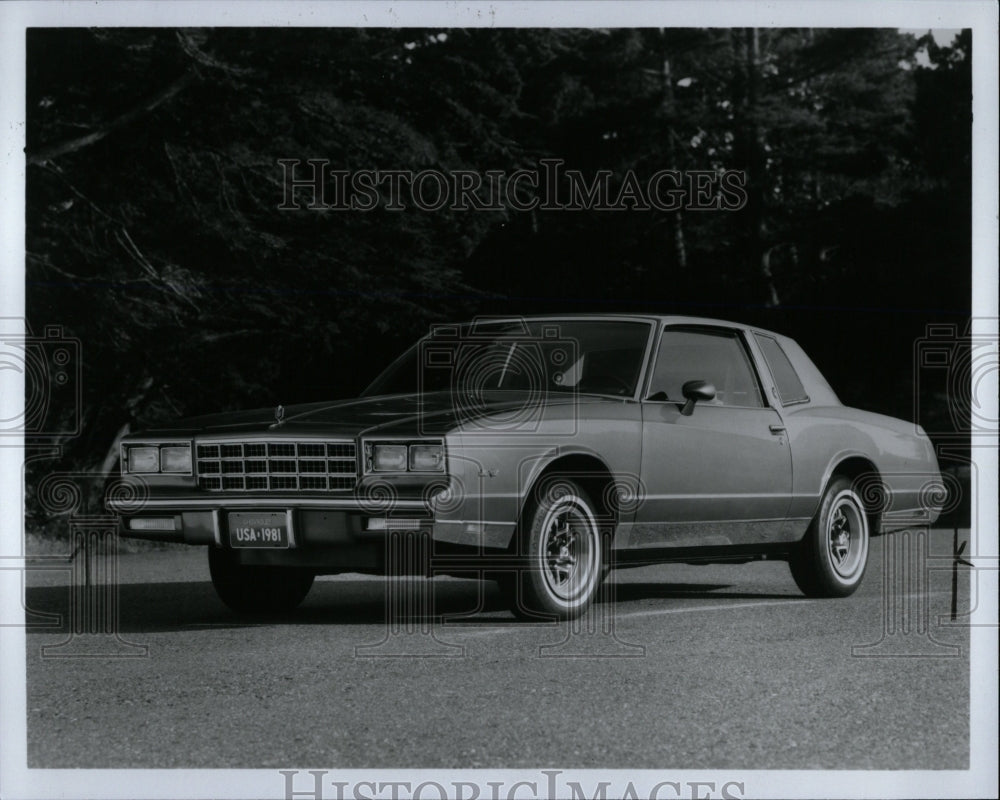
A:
<point x="715" y="356"/>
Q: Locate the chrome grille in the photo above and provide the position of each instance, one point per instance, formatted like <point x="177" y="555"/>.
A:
<point x="277" y="466"/>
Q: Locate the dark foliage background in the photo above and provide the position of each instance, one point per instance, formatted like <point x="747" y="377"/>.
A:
<point x="153" y="233"/>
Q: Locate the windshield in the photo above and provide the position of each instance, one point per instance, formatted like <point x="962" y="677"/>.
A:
<point x="586" y="356"/>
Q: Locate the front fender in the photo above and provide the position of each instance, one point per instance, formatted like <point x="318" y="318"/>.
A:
<point x="495" y="473"/>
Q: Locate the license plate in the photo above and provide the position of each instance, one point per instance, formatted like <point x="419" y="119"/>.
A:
<point x="258" y="529"/>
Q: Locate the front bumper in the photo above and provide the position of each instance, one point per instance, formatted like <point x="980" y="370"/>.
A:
<point x="314" y="523"/>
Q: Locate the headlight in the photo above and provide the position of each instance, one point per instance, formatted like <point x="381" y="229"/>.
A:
<point x="404" y="457"/>
<point x="426" y="457"/>
<point x="389" y="458"/>
<point x="143" y="459"/>
<point x="152" y="458"/>
<point x="175" y="458"/>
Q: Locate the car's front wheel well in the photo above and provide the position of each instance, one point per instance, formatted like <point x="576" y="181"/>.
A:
<point x="592" y="475"/>
<point x="868" y="483"/>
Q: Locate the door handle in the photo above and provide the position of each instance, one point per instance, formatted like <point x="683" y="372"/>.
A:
<point x="777" y="430"/>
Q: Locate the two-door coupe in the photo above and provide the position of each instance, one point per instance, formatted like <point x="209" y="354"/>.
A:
<point x="540" y="452"/>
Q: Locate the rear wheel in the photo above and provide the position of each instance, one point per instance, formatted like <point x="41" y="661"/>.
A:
<point x="256" y="589"/>
<point x="832" y="557"/>
<point x="562" y="550"/>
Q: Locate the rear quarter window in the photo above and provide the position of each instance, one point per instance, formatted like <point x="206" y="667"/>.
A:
<point x="786" y="379"/>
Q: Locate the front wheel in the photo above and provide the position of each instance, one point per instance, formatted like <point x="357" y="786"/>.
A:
<point x="256" y="589"/>
<point x="563" y="553"/>
<point x="832" y="557"/>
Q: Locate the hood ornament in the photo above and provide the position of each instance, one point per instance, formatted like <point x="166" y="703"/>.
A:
<point x="279" y="417"/>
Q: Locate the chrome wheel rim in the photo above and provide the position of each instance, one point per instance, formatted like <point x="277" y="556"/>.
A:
<point x="568" y="550"/>
<point x="846" y="536"/>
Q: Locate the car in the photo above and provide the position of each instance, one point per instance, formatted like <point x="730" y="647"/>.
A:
<point x="540" y="453"/>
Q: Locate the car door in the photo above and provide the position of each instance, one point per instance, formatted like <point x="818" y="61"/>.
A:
<point x="723" y="474"/>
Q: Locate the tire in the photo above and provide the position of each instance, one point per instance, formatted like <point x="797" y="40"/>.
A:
<point x="259" y="590"/>
<point x="833" y="555"/>
<point x="562" y="555"/>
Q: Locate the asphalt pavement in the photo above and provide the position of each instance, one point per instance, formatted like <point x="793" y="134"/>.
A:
<point x="677" y="667"/>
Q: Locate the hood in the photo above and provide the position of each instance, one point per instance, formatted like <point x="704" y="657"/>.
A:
<point x="406" y="414"/>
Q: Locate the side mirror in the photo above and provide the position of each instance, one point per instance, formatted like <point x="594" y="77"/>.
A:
<point x="694" y="391"/>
